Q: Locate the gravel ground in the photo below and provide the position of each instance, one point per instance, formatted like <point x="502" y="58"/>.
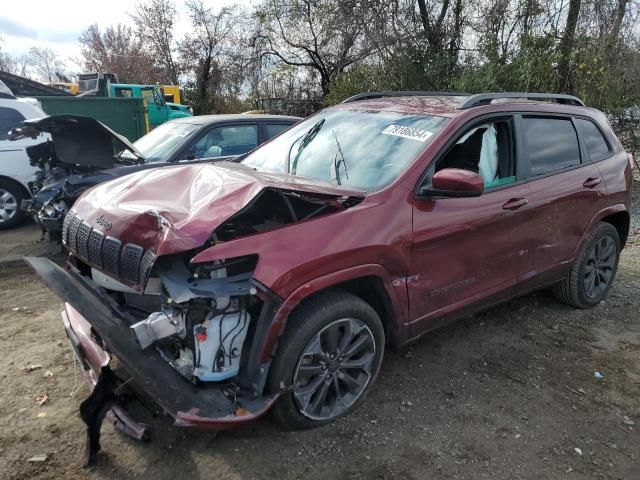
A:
<point x="510" y="393"/>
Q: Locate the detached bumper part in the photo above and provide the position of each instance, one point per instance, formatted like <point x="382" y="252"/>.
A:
<point x="90" y="313"/>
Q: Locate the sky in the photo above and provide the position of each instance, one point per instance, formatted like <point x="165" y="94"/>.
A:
<point x="57" y="25"/>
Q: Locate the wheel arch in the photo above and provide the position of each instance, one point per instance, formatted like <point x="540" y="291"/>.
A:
<point x="371" y="283"/>
<point x="622" y="222"/>
<point x="17" y="183"/>
<point x="616" y="215"/>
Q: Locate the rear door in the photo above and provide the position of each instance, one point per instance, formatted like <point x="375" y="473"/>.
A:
<point x="565" y="194"/>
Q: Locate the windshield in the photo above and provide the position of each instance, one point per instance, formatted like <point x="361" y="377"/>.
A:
<point x="358" y="148"/>
<point x="162" y="141"/>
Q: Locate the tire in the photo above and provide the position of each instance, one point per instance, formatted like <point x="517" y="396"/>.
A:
<point x="312" y="324"/>
<point x="575" y="289"/>
<point x="11" y="196"/>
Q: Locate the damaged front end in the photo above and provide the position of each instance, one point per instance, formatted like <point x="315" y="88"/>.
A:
<point x="189" y="336"/>
<point x="187" y="357"/>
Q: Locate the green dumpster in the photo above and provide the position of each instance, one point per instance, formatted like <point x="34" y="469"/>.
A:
<point x="124" y="115"/>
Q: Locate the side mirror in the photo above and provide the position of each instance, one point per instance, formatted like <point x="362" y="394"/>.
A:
<point x="454" y="182"/>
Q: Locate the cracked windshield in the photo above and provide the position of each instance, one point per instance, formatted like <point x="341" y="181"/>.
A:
<point x="365" y="150"/>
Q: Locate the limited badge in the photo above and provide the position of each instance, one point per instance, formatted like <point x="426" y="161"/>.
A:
<point x="413" y="133"/>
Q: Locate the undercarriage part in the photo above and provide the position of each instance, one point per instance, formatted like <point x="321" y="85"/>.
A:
<point x="93" y="411"/>
<point x="159" y="325"/>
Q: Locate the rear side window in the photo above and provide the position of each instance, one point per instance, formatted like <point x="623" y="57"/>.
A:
<point x="274" y="129"/>
<point x="593" y="139"/>
<point x="552" y="144"/>
<point x="9" y="118"/>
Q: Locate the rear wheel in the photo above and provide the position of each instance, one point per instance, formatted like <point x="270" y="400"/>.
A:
<point x="330" y="354"/>
<point x="11" y="195"/>
<point x="593" y="270"/>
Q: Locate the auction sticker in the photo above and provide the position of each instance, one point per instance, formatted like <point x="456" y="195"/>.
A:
<point x="408" y="132"/>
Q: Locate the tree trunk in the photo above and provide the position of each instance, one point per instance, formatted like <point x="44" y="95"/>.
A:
<point x="566" y="46"/>
<point x="621" y="8"/>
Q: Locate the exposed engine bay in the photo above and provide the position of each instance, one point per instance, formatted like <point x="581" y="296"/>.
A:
<point x="202" y="317"/>
<point x="78" y="146"/>
<point x="197" y="320"/>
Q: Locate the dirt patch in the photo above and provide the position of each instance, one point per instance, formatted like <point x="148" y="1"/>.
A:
<point x="510" y="393"/>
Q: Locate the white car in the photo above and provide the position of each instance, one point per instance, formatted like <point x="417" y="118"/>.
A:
<point x="15" y="170"/>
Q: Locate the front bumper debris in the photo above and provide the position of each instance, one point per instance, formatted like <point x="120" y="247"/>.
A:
<point x="98" y="331"/>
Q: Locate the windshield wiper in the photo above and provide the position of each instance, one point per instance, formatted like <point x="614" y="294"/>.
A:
<point x="305" y="140"/>
<point x="341" y="161"/>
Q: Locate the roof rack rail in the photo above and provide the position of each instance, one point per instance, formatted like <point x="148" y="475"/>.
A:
<point x="406" y="93"/>
<point x="487" y="98"/>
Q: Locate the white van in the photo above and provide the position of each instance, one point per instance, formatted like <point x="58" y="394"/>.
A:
<point x="15" y="169"/>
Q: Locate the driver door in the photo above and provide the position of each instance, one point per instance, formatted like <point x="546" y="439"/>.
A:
<point x="467" y="252"/>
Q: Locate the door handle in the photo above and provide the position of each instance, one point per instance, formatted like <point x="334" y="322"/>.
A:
<point x="515" y="203"/>
<point x="591" y="182"/>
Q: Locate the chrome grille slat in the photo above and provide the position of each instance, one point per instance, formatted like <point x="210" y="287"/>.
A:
<point x="82" y="238"/>
<point x="130" y="262"/>
<point x="110" y="254"/>
<point x="145" y="266"/>
<point x="65" y="225"/>
<point x="94" y="248"/>
<point x="73" y="232"/>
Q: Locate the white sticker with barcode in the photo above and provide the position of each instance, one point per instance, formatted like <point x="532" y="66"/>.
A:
<point x="413" y="133"/>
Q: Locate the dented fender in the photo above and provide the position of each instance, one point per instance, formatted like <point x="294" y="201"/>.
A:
<point x="395" y="290"/>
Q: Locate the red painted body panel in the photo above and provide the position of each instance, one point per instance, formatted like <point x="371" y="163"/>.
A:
<point x="457" y="180"/>
<point x="174" y="209"/>
<point x="436" y="257"/>
<point x="465" y="249"/>
<point x="298" y="253"/>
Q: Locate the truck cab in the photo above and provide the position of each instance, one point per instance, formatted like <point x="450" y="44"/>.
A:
<point x="159" y="110"/>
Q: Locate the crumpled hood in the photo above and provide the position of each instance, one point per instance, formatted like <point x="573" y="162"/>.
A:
<point x="174" y="209"/>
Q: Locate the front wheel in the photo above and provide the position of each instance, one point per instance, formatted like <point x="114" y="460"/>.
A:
<point x="10" y="198"/>
<point x="330" y="355"/>
<point x="593" y="270"/>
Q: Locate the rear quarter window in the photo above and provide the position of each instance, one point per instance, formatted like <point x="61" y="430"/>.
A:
<point x="551" y="144"/>
<point x="9" y="118"/>
<point x="595" y="143"/>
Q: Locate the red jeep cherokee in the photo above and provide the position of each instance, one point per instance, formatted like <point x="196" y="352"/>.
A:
<point x="229" y="289"/>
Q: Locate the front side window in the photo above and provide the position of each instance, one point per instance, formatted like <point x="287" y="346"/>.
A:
<point x="594" y="141"/>
<point x="551" y="144"/>
<point x="362" y="149"/>
<point x="485" y="149"/>
<point x="226" y="141"/>
<point x="9" y="118"/>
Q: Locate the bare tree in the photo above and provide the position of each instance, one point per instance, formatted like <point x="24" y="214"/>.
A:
<point x="320" y="35"/>
<point x="154" y="21"/>
<point x="210" y="54"/>
<point x="566" y="45"/>
<point x="46" y="64"/>
<point x="118" y="50"/>
<point x="7" y="63"/>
